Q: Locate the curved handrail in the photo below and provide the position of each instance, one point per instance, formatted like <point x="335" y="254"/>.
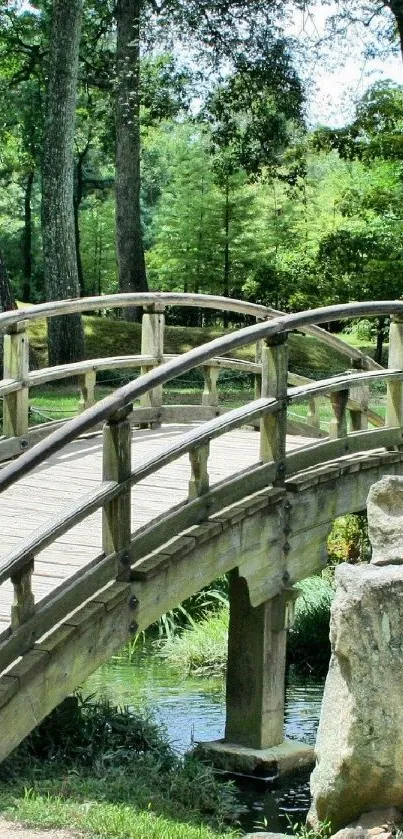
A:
<point x="109" y="490"/>
<point x="171" y="369"/>
<point x="163" y="299"/>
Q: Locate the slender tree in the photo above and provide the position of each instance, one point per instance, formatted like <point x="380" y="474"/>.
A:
<point x="216" y="29"/>
<point x="129" y="239"/>
<point x="66" y="337"/>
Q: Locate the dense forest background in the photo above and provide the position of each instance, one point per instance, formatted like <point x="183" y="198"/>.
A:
<point x="193" y="168"/>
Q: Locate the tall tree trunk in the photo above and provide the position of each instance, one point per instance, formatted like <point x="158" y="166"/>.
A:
<point x="226" y="248"/>
<point x="396" y="7"/>
<point x="380" y="337"/>
<point x="129" y="235"/>
<point x="7" y="300"/>
<point x="78" y="197"/>
<point x="65" y="335"/>
<point x="27" y="239"/>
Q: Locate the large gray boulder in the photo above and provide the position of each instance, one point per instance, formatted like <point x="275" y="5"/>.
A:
<point x="385" y="520"/>
<point x="359" y="748"/>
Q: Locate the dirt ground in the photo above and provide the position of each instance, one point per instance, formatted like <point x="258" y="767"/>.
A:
<point x="9" y="830"/>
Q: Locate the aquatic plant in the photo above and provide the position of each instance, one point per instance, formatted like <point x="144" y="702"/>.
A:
<point x="308" y="648"/>
<point x="202" y="648"/>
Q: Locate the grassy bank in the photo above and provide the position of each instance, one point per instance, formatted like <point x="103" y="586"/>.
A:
<point x="106" y="336"/>
<point x="111" y="772"/>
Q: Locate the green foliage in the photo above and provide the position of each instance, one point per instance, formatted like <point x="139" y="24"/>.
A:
<point x="302" y="831"/>
<point x="200" y="650"/>
<point x="348" y="540"/>
<point x="94" y="752"/>
<point x="308" y="643"/>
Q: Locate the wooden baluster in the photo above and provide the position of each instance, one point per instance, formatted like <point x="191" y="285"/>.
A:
<point x="313" y="415"/>
<point x="360" y="395"/>
<point x="210" y="392"/>
<point x="16" y="366"/>
<point x="338" y="425"/>
<point x="394" y="403"/>
<point x="258" y="360"/>
<point x="24" y="603"/>
<point x="273" y="427"/>
<point x="116" y="514"/>
<point x="87" y="384"/>
<point x="199" y="480"/>
<point x="152" y="343"/>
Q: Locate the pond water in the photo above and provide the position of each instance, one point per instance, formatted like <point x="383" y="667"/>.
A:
<point x="194" y="709"/>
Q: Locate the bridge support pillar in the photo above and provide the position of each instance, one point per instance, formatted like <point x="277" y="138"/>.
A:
<point x="254" y="732"/>
<point x="256" y="669"/>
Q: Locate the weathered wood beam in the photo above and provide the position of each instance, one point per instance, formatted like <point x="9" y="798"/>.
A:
<point x="16" y="366"/>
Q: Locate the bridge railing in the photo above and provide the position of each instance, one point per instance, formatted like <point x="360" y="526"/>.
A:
<point x="19" y="380"/>
<point x="123" y="551"/>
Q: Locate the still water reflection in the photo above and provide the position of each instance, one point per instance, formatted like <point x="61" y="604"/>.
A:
<point x="194" y="709"/>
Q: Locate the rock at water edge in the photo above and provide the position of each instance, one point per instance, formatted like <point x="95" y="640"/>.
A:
<point x="359" y="748"/>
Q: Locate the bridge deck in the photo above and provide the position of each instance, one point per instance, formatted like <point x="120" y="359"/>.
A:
<point x="76" y="470"/>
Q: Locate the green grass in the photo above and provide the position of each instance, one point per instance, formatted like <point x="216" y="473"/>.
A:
<point x="98" y="818"/>
<point x="110" y="337"/>
<point x="111" y="772"/>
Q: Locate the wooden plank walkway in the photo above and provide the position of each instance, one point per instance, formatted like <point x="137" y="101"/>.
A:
<point x="76" y="470"/>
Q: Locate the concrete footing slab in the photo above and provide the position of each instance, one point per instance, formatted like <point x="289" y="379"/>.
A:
<point x="288" y="756"/>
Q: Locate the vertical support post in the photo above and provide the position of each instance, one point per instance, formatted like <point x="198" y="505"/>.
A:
<point x="256" y="668"/>
<point x="338" y="425"/>
<point x="24" y="604"/>
<point x="116" y="466"/>
<point x="199" y="478"/>
<point x="210" y="392"/>
<point x="152" y="343"/>
<point x="87" y="384"/>
<point x="258" y="360"/>
<point x="360" y="395"/>
<point x="16" y="366"/>
<point x="394" y="403"/>
<point x="273" y="427"/>
<point x="313" y="415"/>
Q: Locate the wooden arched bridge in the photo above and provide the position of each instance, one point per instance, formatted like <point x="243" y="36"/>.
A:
<point x="104" y="524"/>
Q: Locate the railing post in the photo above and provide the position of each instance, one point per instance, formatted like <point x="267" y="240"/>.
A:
<point x="152" y="343"/>
<point x="210" y="392"/>
<point x="394" y="403"/>
<point x="87" y="384"/>
<point x="313" y="415"/>
<point x="273" y="427"/>
<point x="16" y="366"/>
<point x="199" y="479"/>
<point x="258" y="360"/>
<point x="24" y="604"/>
<point x="360" y="395"/>
<point x="116" y="466"/>
<point x="338" y="425"/>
